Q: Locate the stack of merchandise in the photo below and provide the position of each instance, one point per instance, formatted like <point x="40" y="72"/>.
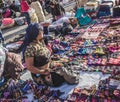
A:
<point x="107" y="91"/>
<point x="18" y="91"/>
<point x="78" y="52"/>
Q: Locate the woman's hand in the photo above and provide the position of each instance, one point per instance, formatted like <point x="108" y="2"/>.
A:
<point x="47" y="71"/>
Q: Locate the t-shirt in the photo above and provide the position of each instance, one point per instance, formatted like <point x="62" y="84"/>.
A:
<point x="24" y="6"/>
<point x="40" y="52"/>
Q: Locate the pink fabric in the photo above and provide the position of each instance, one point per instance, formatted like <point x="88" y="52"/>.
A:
<point x="24" y="6"/>
<point x="7" y="21"/>
<point x="7" y="14"/>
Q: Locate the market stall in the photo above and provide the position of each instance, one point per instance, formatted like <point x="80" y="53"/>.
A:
<point x="91" y="51"/>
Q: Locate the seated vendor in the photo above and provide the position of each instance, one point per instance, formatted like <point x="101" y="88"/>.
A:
<point x="74" y="22"/>
<point x="37" y="57"/>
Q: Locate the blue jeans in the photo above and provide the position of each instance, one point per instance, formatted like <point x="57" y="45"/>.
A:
<point x="27" y="16"/>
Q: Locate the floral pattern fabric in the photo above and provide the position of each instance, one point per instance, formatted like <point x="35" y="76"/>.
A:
<point x="37" y="49"/>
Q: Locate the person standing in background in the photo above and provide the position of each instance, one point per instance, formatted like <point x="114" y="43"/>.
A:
<point x="42" y="2"/>
<point x="24" y="9"/>
<point x="39" y="11"/>
<point x="57" y="10"/>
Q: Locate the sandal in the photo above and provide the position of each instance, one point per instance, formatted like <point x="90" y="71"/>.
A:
<point x="72" y="98"/>
<point x="111" y="61"/>
<point x="104" y="61"/>
<point x="98" y="61"/>
<point x="90" y="61"/>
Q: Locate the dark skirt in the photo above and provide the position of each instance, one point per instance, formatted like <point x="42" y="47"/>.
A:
<point x="56" y="79"/>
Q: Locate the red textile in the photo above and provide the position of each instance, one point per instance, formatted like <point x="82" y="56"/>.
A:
<point x="24" y="6"/>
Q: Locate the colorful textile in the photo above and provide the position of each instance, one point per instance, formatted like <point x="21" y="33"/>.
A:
<point x="24" y="6"/>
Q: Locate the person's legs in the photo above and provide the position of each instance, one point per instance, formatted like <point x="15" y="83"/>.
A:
<point x="27" y="16"/>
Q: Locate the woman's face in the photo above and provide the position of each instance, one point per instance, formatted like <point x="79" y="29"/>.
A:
<point x="40" y="35"/>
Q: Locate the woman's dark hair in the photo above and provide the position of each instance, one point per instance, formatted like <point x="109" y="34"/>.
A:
<point x="32" y="32"/>
<point x="53" y="2"/>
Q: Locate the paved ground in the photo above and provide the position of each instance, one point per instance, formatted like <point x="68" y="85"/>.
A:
<point x="16" y="31"/>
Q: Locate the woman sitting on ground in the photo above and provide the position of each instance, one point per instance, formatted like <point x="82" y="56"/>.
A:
<point x="37" y="57"/>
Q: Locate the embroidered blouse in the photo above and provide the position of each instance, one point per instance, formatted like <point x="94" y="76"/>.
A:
<point x="40" y="52"/>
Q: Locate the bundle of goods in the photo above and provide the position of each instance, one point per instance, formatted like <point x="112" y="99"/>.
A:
<point x="16" y="44"/>
<point x="91" y="8"/>
<point x="94" y="31"/>
<point x="105" y="9"/>
<point x="13" y="47"/>
<point x="82" y="16"/>
<point x="7" y="23"/>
